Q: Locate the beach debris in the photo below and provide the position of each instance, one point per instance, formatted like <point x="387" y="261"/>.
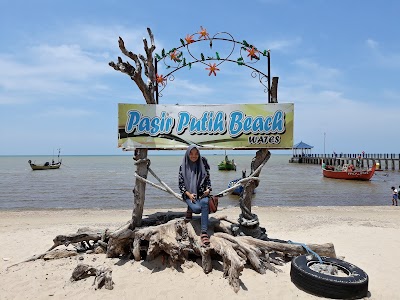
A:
<point x="330" y="277"/>
<point x="179" y="239"/>
<point x="59" y="253"/>
<point x="103" y="275"/>
<point x="83" y="236"/>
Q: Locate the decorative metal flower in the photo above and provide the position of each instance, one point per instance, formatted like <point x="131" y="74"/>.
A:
<point x="252" y="53"/>
<point x="189" y="39"/>
<point x="161" y="80"/>
<point x="174" y="55"/>
<point x="203" y="33"/>
<point x="213" y="68"/>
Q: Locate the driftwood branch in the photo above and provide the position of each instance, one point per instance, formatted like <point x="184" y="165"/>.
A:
<point x="141" y="62"/>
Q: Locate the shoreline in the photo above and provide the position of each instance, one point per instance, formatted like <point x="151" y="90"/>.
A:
<point x="366" y="236"/>
<point x="181" y="208"/>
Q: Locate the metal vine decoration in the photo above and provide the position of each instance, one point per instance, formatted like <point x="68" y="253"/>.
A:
<point x="175" y="59"/>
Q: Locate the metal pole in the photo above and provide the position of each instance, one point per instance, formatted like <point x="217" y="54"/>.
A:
<point x="156" y="83"/>
<point x="269" y="76"/>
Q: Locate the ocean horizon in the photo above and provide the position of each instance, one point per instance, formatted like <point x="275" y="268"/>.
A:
<point x="107" y="181"/>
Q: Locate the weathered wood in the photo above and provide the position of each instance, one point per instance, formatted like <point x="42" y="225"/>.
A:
<point x="52" y="254"/>
<point x="326" y="249"/>
<point x="274" y="90"/>
<point x="135" y="73"/>
<point x="103" y="275"/>
<point x="140" y="187"/>
<point x="177" y="239"/>
<point x="262" y="156"/>
<point x="76" y="238"/>
<point x="120" y="241"/>
<point x="59" y="253"/>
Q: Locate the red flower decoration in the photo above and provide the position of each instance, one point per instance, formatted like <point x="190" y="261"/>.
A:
<point x="203" y="33"/>
<point x="213" y="68"/>
<point x="189" y="39"/>
<point x="174" y="55"/>
<point x="160" y="79"/>
<point x="252" y="53"/>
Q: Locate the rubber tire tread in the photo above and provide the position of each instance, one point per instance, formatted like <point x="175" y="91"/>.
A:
<point x="351" y="287"/>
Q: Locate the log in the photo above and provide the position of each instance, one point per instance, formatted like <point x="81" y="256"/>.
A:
<point x="103" y="275"/>
<point x="76" y="238"/>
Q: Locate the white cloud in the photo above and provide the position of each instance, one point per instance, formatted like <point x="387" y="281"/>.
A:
<point x="285" y="45"/>
<point x="372" y="43"/>
<point x="381" y="57"/>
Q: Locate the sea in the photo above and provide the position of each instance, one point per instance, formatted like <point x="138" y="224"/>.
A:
<point x="106" y="182"/>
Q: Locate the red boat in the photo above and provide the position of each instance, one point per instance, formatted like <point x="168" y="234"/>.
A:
<point x="348" y="172"/>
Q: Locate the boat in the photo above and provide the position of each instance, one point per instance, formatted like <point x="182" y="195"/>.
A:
<point x="348" y="172"/>
<point x="227" y="164"/>
<point x="47" y="165"/>
<point x="239" y="190"/>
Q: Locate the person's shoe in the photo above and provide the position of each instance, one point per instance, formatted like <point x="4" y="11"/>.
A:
<point x="205" y="240"/>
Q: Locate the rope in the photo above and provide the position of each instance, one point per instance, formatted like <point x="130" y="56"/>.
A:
<point x="167" y="189"/>
<point x="309" y="251"/>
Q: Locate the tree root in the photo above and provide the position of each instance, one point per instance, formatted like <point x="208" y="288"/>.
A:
<point x="179" y="241"/>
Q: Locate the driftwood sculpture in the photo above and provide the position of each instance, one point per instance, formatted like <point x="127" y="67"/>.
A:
<point x="234" y="243"/>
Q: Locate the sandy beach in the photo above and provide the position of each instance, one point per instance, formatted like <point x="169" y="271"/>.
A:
<point x="365" y="236"/>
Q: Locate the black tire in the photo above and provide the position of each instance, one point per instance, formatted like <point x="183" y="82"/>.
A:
<point x="352" y="286"/>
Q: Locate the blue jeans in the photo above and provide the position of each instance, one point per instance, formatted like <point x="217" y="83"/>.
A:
<point x="200" y="206"/>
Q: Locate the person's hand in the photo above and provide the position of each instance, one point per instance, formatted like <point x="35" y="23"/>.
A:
<point x="192" y="197"/>
<point x="206" y="193"/>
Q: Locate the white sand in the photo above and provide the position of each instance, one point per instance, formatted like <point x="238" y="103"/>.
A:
<point x="368" y="237"/>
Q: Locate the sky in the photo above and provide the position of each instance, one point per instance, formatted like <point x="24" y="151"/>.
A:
<point x="337" y="61"/>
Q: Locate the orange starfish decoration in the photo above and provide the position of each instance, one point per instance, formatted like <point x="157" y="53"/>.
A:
<point x="174" y="55"/>
<point x="212" y="69"/>
<point x="203" y="33"/>
<point x="160" y="79"/>
<point x="189" y="39"/>
<point x="252" y="53"/>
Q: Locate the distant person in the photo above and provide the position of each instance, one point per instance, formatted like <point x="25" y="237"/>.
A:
<point x="394" y="196"/>
<point x="398" y="193"/>
<point x="195" y="186"/>
<point x="358" y="162"/>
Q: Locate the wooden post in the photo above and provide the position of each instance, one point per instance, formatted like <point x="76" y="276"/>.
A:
<point x="261" y="156"/>
<point x="140" y="187"/>
<point x="274" y="90"/>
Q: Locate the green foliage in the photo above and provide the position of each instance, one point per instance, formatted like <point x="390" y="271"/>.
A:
<point x="240" y="61"/>
<point x="163" y="52"/>
<point x="245" y="43"/>
<point x="157" y="56"/>
<point x="217" y="55"/>
<point x="190" y="66"/>
<point x="182" y="42"/>
<point x="202" y="56"/>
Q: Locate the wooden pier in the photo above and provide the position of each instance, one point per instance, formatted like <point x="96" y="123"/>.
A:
<point x="383" y="161"/>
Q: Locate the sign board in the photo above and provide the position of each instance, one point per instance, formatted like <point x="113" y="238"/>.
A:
<point x="232" y="126"/>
